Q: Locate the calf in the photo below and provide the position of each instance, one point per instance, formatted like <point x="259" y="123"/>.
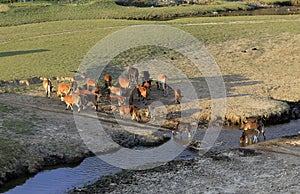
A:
<point x="162" y="83"/>
<point x="71" y="99"/>
<point x="253" y="123"/>
<point x="124" y="82"/>
<point x="185" y="127"/>
<point x="47" y="85"/>
<point x="133" y="74"/>
<point x="129" y="110"/>
<point x="107" y="80"/>
<point x="63" y="88"/>
<point x="177" y="94"/>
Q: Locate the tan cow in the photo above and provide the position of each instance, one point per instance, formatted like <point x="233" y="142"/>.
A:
<point x="63" y="88"/>
<point x="71" y="99"/>
<point x="162" y="83"/>
<point x="47" y="85"/>
<point x="115" y="90"/>
<point x="124" y="82"/>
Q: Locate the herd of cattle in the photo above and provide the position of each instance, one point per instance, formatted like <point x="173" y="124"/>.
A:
<point x="125" y="95"/>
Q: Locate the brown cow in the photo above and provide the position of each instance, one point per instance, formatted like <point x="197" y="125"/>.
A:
<point x="47" y="85"/>
<point x="107" y="80"/>
<point x="129" y="110"/>
<point x="177" y="94"/>
<point x="124" y="82"/>
<point x="249" y="137"/>
<point x="71" y="99"/>
<point x="185" y="127"/>
<point x="120" y="99"/>
<point x="63" y="88"/>
<point x="253" y="123"/>
<point x="142" y="91"/>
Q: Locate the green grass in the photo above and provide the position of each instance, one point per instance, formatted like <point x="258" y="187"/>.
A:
<point x="18" y="126"/>
<point x="20" y="13"/>
<point x="57" y="48"/>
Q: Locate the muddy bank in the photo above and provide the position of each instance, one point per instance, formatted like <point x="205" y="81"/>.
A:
<point x="37" y="132"/>
<point x="266" y="167"/>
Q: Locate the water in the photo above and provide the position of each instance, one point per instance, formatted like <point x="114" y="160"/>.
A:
<point x="62" y="179"/>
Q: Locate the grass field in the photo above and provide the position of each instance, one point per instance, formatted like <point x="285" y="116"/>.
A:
<point x="57" y="48"/>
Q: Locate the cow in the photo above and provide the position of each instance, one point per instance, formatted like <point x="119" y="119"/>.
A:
<point x="162" y="83"/>
<point x="150" y="111"/>
<point x="115" y="90"/>
<point x="249" y="137"/>
<point x="88" y="98"/>
<point x="124" y="82"/>
<point x="253" y="123"/>
<point x="107" y="80"/>
<point x="90" y="83"/>
<point x="147" y="84"/>
<point x="184" y="127"/>
<point x="47" y="85"/>
<point x="62" y="89"/>
<point x="133" y="75"/>
<point x="119" y="99"/>
<point x="142" y="91"/>
<point x="129" y="110"/>
<point x="71" y="99"/>
<point x="177" y="94"/>
<point x="145" y="75"/>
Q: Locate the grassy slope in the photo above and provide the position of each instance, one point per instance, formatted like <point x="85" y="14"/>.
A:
<point x="56" y="48"/>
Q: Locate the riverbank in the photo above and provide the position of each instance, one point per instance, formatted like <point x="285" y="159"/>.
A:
<point x="271" y="166"/>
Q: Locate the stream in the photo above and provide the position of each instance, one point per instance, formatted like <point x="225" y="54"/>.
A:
<point x="62" y="179"/>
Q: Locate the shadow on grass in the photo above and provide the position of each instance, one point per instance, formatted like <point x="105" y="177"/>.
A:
<point x="13" y="53"/>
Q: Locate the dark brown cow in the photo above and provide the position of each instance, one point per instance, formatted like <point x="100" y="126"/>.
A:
<point x="133" y="75"/>
<point x="145" y="75"/>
